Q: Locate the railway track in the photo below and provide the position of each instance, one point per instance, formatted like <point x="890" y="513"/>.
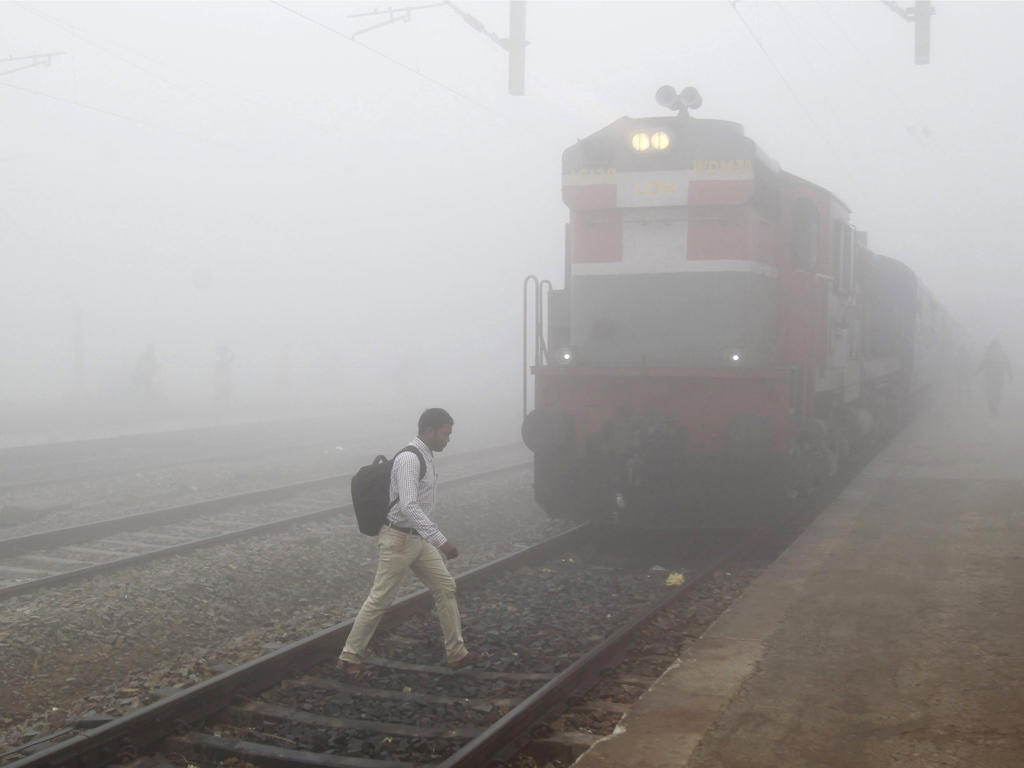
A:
<point x="33" y="466"/>
<point x="28" y="563"/>
<point x="292" y="707"/>
<point x="108" y="466"/>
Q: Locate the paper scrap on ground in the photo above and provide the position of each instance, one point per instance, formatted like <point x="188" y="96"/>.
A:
<point x="674" y="580"/>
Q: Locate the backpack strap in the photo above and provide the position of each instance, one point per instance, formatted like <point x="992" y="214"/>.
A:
<point x="423" y="461"/>
<point x="423" y="466"/>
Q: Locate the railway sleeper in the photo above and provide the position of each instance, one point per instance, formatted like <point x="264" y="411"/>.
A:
<point x="258" y="714"/>
<point x="14" y="573"/>
<point x="110" y="553"/>
<point x="323" y="683"/>
<point x="204" y="748"/>
<point x="481" y="674"/>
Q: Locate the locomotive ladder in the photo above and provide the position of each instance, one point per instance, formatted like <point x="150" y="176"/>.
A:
<point x="540" y="347"/>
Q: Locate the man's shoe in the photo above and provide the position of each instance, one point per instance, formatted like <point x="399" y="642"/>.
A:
<point x="469" y="660"/>
<point x="351" y="668"/>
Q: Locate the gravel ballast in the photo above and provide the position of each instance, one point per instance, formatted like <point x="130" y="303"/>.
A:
<point x="538" y="619"/>
<point x="121" y="641"/>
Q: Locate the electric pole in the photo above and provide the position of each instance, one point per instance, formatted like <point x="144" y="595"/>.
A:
<point x="921" y="14"/>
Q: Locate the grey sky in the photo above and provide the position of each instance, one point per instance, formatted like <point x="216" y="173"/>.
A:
<point x="263" y="182"/>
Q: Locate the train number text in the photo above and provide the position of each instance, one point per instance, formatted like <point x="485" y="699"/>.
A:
<point x="654" y="187"/>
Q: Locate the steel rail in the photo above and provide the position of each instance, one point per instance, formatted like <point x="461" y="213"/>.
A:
<point x="151" y="723"/>
<point x="506" y="736"/>
<point x="219" y="452"/>
<point x="222" y="538"/>
<point x="76" y="534"/>
<point x="147" y="451"/>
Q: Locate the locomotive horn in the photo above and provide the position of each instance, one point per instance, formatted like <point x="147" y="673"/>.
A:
<point x="667" y="97"/>
<point x="690" y="98"/>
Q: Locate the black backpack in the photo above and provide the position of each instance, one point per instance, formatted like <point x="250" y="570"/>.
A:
<point x="371" y="491"/>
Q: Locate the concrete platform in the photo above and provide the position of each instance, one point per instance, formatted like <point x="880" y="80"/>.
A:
<point x="890" y="633"/>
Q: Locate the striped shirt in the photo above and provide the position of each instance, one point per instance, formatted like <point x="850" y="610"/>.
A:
<point x="416" y="498"/>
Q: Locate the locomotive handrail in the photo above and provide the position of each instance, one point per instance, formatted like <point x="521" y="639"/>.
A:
<point x="540" y="350"/>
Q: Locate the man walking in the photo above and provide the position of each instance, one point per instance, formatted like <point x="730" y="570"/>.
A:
<point x="410" y="541"/>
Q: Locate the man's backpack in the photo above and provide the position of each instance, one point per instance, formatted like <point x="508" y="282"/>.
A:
<point x="371" y="491"/>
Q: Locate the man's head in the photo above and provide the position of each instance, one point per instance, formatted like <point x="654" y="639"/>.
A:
<point x="435" y="428"/>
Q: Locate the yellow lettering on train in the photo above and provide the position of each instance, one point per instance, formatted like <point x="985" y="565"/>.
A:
<point x="592" y="176"/>
<point x="723" y="167"/>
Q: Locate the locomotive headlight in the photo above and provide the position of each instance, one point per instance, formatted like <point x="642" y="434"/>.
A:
<point x="564" y="356"/>
<point x="734" y="356"/>
<point x="641" y="142"/>
<point x="660" y="140"/>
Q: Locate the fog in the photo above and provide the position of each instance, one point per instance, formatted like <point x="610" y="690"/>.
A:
<point x="354" y="219"/>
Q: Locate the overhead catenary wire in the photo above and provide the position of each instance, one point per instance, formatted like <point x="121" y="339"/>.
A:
<point x="70" y="29"/>
<point x="414" y="71"/>
<point x="935" y="144"/>
<point x="84" y="34"/>
<point x="811" y="68"/>
<point x="849" y="70"/>
<point x="871" y="66"/>
<point x="81" y="35"/>
<point x="800" y="103"/>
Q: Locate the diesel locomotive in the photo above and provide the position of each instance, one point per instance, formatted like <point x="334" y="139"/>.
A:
<point x="723" y="329"/>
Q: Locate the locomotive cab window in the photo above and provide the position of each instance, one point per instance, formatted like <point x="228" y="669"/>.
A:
<point x="804" y="234"/>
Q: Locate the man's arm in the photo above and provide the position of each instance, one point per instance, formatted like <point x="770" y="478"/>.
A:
<point x="407" y="475"/>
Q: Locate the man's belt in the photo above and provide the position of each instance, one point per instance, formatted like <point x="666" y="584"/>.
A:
<point x="413" y="531"/>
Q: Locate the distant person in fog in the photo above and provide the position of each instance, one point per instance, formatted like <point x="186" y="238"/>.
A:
<point x="962" y="372"/>
<point x="222" y="376"/>
<point x="995" y="367"/>
<point x="144" y="375"/>
<point x="282" y="377"/>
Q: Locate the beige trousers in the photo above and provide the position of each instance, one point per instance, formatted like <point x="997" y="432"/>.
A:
<point x="398" y="554"/>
